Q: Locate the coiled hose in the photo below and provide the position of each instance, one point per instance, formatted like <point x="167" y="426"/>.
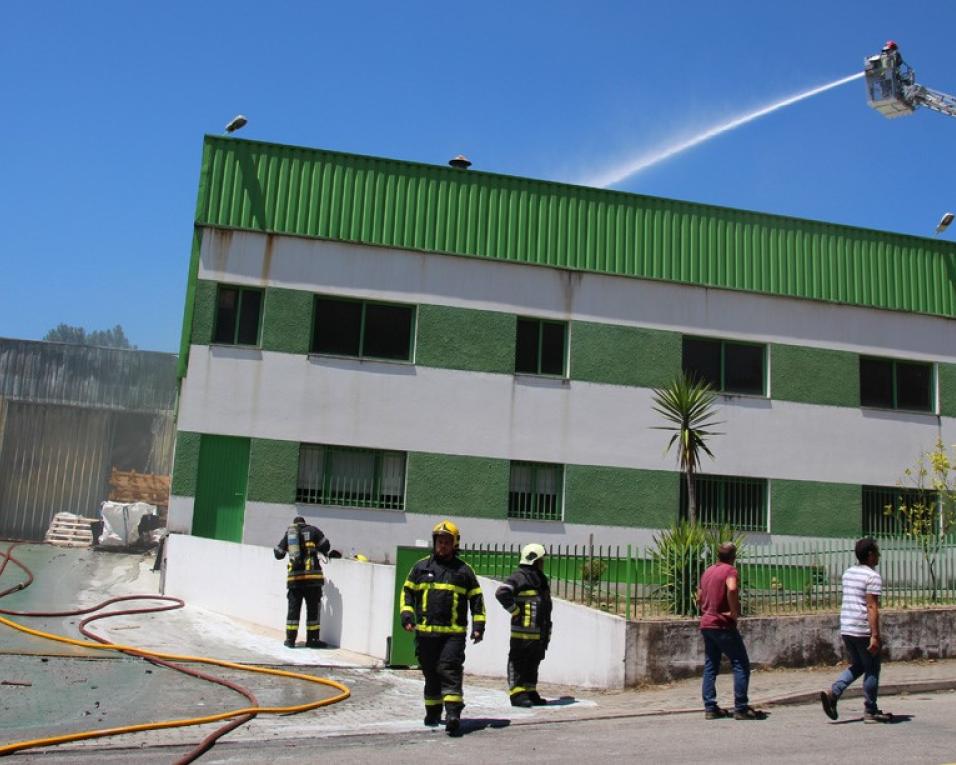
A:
<point x="236" y="717"/>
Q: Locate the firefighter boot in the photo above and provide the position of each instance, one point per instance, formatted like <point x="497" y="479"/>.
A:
<point x="432" y="715"/>
<point x="536" y="699"/>
<point x="290" y="638"/>
<point x="315" y="643"/>
<point x="521" y="700"/>
<point x="453" y="718"/>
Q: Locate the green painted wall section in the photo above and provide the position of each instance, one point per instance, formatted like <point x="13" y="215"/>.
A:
<point x="310" y="192"/>
<point x="947" y="390"/>
<point x="620" y="496"/>
<point x="185" y="464"/>
<point x="620" y="355"/>
<point x="460" y="338"/>
<point x="191" y="278"/>
<point x="287" y="320"/>
<point x="443" y="484"/>
<point x="204" y="312"/>
<point x="809" y="508"/>
<point x="273" y="470"/>
<point x="814" y="375"/>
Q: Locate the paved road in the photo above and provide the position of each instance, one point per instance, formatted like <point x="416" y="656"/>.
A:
<point x="924" y="735"/>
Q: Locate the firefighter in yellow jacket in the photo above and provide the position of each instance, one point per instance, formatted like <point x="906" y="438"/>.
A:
<point x="434" y="604"/>
<point x="526" y="595"/>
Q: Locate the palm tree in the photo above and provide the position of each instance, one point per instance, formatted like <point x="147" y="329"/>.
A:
<point x="688" y="405"/>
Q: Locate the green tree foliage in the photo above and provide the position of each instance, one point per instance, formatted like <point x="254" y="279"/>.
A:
<point x="109" y="338"/>
<point x="688" y="407"/>
<point x="926" y="512"/>
<point x="680" y="556"/>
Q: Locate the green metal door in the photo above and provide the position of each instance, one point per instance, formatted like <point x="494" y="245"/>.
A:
<point x="221" y="489"/>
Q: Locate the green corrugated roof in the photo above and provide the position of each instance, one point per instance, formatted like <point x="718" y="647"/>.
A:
<point x="316" y="193"/>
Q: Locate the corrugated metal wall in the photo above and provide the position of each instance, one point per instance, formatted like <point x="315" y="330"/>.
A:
<point x="309" y="192"/>
<point x="113" y="378"/>
<point x="68" y="414"/>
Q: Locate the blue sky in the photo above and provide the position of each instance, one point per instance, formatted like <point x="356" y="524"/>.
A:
<point x="104" y="105"/>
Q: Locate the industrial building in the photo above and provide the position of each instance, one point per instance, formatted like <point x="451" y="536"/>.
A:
<point x="377" y="344"/>
<point x="72" y="418"/>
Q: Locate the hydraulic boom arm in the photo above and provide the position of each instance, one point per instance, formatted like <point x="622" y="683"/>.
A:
<point x="933" y="99"/>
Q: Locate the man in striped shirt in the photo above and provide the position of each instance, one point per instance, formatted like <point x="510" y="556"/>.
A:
<point x="860" y="630"/>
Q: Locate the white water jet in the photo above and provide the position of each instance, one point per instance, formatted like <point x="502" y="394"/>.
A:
<point x="618" y="174"/>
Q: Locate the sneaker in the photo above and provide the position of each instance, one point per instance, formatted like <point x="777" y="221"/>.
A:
<point x="717" y="714"/>
<point x="289" y="644"/>
<point x="749" y="713"/>
<point x="879" y="716"/>
<point x="536" y="699"/>
<point x="521" y="700"/>
<point x="829" y="704"/>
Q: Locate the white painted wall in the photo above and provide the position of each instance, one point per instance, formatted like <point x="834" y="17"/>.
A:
<point x="586" y="650"/>
<point x="412" y="277"/>
<point x="246" y="582"/>
<point x="376" y="533"/>
<point x="408" y="408"/>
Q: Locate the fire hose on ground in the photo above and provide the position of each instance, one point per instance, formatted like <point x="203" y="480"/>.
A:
<point x="236" y="717"/>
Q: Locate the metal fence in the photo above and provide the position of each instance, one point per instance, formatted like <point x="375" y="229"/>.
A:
<point x="778" y="579"/>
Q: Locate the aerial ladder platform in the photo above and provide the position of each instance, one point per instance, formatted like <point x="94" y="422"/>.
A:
<point x="892" y="89"/>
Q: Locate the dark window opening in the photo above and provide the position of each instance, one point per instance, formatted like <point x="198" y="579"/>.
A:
<point x="238" y="311"/>
<point x="890" y="384"/>
<point x="356" y="328"/>
<point x="540" y="347"/>
<point x="728" y="367"/>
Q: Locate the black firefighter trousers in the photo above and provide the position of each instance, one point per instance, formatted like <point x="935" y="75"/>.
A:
<point x="523" y="660"/>
<point x="442" y="660"/>
<point x="312" y="595"/>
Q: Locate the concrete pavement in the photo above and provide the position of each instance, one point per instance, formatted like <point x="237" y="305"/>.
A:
<point x="78" y="689"/>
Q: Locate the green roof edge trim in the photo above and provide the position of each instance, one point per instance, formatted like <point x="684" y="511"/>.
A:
<point x="298" y="191"/>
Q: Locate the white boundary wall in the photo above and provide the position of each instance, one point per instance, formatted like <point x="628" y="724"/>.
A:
<point x="247" y="582"/>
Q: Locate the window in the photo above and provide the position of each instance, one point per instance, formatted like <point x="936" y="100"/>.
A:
<point x="238" y="310"/>
<point x="876" y="499"/>
<point x="891" y="384"/>
<point x="361" y="329"/>
<point x="741" y="502"/>
<point x="729" y="367"/>
<point x="541" y="347"/>
<point x="535" y="491"/>
<point x="339" y="475"/>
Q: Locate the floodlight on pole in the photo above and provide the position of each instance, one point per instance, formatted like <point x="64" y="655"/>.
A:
<point x="944" y="222"/>
<point x="235" y="123"/>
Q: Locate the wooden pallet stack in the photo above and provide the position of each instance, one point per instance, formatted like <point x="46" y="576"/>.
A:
<point x="130" y="486"/>
<point x="69" y="530"/>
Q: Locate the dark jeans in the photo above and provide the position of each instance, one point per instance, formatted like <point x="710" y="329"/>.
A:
<point x="312" y="595"/>
<point x="442" y="660"/>
<point x="730" y="644"/>
<point x="523" y="660"/>
<point x="862" y="662"/>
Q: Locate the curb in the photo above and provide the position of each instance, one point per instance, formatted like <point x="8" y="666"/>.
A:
<point x="890" y="689"/>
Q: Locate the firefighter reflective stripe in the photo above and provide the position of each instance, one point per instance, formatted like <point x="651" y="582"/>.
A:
<point x="519" y="689"/>
<point x="292" y="626"/>
<point x="478" y="618"/>
<point x="473" y="592"/>
<point x="440" y="629"/>
<point x="528" y="593"/>
<point x="453" y="698"/>
<point x="527" y="614"/>
<point x="424" y="606"/>
<point x="525" y="635"/>
<point x="433" y="702"/>
<point x="441" y="586"/>
<point x="407" y="608"/>
<point x="312" y="577"/>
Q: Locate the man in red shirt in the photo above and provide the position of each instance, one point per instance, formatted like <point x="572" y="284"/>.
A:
<point x="719" y="599"/>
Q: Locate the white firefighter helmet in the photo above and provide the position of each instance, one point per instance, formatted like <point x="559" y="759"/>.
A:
<point x="531" y="553"/>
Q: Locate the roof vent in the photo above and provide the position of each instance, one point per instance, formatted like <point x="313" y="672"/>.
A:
<point x="461" y="162"/>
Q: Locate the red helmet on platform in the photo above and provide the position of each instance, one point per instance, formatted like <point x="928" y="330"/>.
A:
<point x="890" y="45"/>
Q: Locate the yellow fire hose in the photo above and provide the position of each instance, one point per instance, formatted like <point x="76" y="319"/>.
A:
<point x="257" y="710"/>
